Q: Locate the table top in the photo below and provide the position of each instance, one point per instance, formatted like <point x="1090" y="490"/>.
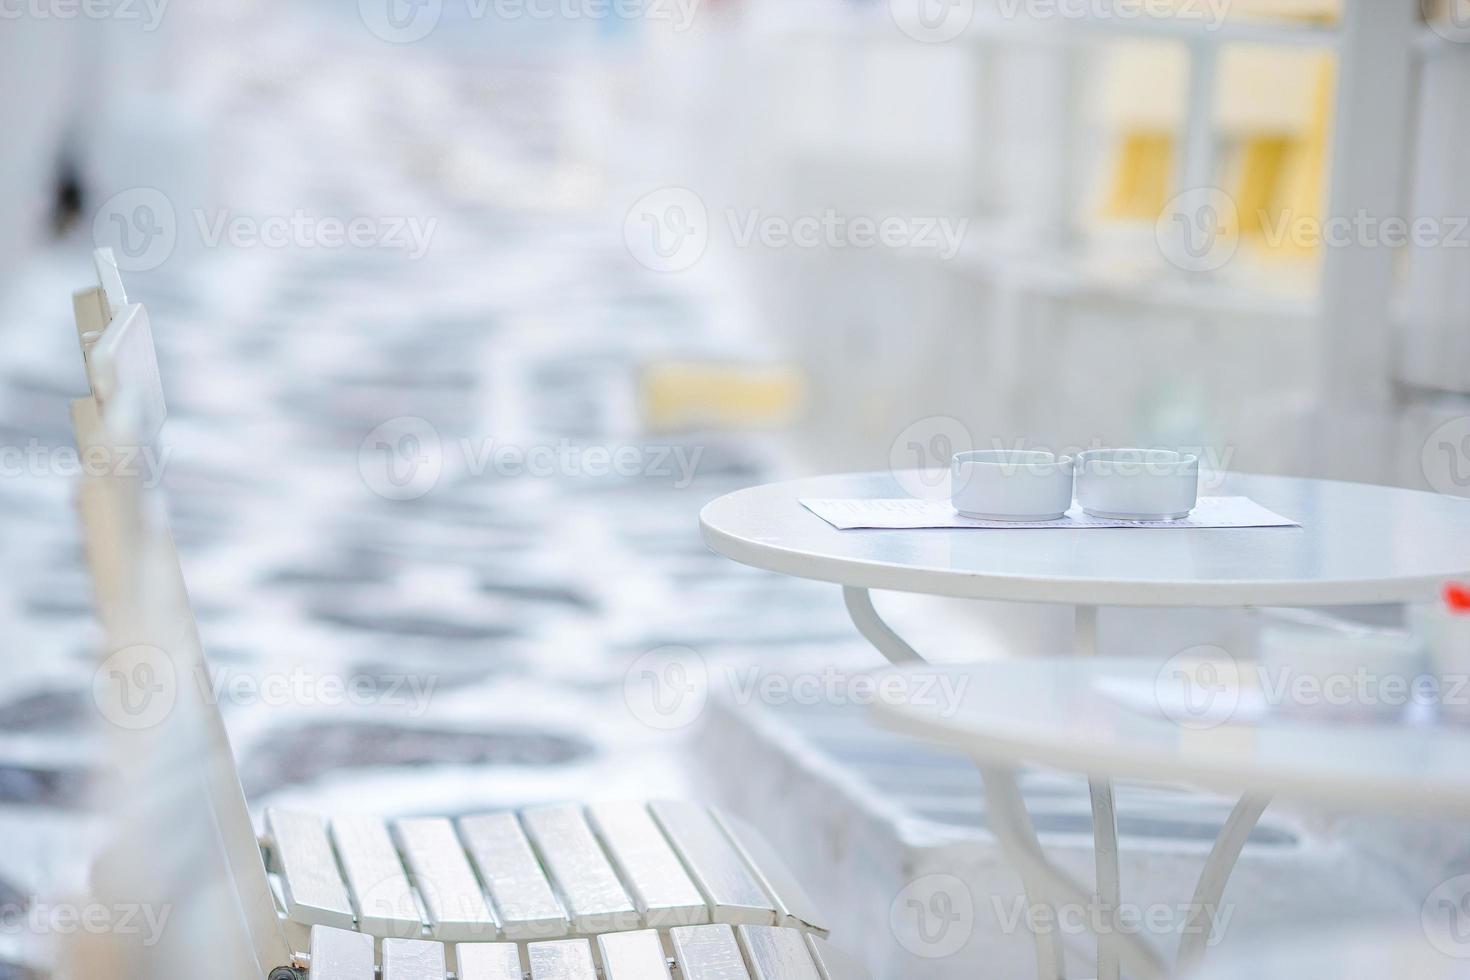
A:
<point x="1057" y="713"/>
<point x="1345" y="952"/>
<point x="1358" y="543"/>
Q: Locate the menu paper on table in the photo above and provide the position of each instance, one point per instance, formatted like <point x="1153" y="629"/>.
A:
<point x="912" y="514"/>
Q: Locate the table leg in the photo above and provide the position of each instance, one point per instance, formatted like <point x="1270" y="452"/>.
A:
<point x="1050" y="965"/>
<point x="1109" y="895"/>
<point x="1042" y="881"/>
<point x="877" y="632"/>
<point x="1084" y="631"/>
<point x="1011" y="815"/>
<point x="1010" y="821"/>
<point x="1012" y="826"/>
<point x="1199" y="927"/>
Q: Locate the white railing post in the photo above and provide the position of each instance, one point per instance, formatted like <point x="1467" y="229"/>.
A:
<point x="1197" y="161"/>
<point x="1371" y="126"/>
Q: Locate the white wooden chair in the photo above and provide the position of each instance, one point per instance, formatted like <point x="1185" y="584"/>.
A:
<point x="622" y="891"/>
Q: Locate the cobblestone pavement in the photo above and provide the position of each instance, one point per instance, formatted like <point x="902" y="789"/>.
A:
<point x="487" y="595"/>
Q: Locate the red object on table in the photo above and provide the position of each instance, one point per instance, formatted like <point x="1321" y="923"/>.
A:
<point x="1457" y="597"/>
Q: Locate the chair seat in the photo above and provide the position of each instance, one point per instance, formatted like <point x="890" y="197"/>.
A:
<point x="709" y="952"/>
<point x="547" y="873"/>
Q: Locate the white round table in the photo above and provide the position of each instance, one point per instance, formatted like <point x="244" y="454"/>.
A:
<point x="1357" y="544"/>
<point x="1105" y="718"/>
<point x="1437" y="953"/>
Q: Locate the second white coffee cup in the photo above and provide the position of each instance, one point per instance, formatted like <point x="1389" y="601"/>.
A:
<point x="1137" y="484"/>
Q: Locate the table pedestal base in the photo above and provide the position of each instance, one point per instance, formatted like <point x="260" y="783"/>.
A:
<point x="1118" y="949"/>
<point x="1048" y="886"/>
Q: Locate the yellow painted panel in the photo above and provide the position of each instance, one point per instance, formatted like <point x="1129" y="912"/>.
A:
<point x="681" y="394"/>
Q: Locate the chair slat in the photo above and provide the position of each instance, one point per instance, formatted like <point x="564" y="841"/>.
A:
<point x="122" y="359"/>
<point x="708" y="953"/>
<point x="777" y="954"/>
<point x="498" y="847"/>
<point x="310" y="880"/>
<point x="456" y="907"/>
<point x="562" y="959"/>
<point x="794" y="907"/>
<point x="89" y="309"/>
<point x="412" y="959"/>
<point x="379" y="888"/>
<point x="833" y="963"/>
<point x="487" y="961"/>
<point x="633" y="956"/>
<point x="109" y="280"/>
<point x="661" y="889"/>
<point x="595" y="898"/>
<point x="337" y="954"/>
<point x="734" y="894"/>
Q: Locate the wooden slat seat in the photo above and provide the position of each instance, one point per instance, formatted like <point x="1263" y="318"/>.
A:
<point x="656" y="878"/>
<point x="375" y="878"/>
<point x="649" y="854"/>
<point x="633" y="956"/>
<point x="337" y="954"/>
<point x="543" y="873"/>
<point x="709" y="952"/>
<point x="794" y="907"/>
<point x="311" y="883"/>
<point x="777" y="954"/>
<point x="513" y="877"/>
<point x="562" y="959"/>
<point x="456" y="907"/>
<point x="595" y="899"/>
<point x="488" y="961"/>
<point x="731" y="888"/>
<point x="414" y="959"/>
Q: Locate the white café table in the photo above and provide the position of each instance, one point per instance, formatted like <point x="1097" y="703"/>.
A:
<point x="1059" y="713"/>
<point x="1358" y="544"/>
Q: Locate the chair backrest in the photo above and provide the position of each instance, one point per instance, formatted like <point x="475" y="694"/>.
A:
<point x="190" y="828"/>
<point x="166" y="862"/>
<point x="117" y="346"/>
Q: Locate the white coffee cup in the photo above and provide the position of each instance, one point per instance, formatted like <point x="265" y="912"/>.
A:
<point x="1137" y="484"/>
<point x="1011" y="485"/>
